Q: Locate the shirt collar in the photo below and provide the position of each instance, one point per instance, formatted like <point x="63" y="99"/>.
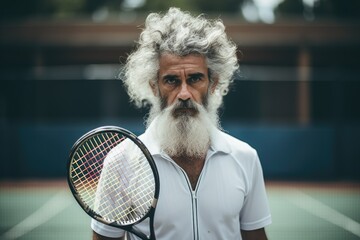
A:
<point x="219" y="141"/>
<point x="150" y="139"/>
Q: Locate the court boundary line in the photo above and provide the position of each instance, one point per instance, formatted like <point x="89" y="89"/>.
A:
<point x="55" y="205"/>
<point x="323" y="211"/>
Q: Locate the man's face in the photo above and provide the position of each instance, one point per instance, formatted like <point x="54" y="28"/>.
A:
<point x="181" y="79"/>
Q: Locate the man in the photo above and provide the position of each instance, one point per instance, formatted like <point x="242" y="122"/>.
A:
<point x="212" y="185"/>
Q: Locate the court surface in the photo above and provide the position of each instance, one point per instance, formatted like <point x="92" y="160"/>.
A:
<point x="47" y="210"/>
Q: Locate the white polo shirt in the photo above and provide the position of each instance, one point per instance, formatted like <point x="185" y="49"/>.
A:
<point x="230" y="194"/>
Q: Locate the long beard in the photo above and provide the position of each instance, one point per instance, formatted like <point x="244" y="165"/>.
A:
<point x="184" y="130"/>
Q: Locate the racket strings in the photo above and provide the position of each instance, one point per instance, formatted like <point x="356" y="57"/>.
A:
<point x="132" y="194"/>
<point x="87" y="164"/>
<point x="113" y="177"/>
<point x="83" y="165"/>
<point x="86" y="169"/>
<point x="141" y="198"/>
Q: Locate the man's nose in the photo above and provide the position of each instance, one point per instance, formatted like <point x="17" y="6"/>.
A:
<point x="184" y="93"/>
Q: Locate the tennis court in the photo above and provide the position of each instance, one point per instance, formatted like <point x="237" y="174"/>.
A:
<point x="47" y="210"/>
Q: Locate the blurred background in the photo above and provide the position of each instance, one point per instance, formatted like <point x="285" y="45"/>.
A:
<point x="296" y="98"/>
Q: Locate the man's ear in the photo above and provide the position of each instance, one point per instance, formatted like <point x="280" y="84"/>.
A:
<point x="153" y="88"/>
<point x="214" y="85"/>
<point x="214" y="80"/>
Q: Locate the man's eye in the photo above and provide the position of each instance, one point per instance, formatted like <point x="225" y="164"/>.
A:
<point x="170" y="80"/>
<point x="194" y="79"/>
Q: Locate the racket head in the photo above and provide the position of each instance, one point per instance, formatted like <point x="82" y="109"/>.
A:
<point x="113" y="176"/>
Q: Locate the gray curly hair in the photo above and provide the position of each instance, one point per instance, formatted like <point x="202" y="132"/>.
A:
<point x="179" y="33"/>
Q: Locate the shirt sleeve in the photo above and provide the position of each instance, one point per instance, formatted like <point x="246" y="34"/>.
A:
<point x="255" y="212"/>
<point x="106" y="230"/>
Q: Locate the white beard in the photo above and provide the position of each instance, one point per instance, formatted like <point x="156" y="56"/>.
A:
<point x="185" y="135"/>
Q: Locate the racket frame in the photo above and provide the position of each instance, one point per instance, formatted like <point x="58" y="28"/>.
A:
<point x="145" y="151"/>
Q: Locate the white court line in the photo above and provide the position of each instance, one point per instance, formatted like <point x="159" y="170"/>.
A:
<point x="50" y="209"/>
<point x="325" y="212"/>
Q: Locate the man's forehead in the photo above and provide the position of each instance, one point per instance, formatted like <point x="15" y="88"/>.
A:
<point x="191" y="62"/>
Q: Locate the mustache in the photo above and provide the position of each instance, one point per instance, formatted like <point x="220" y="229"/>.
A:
<point x="185" y="104"/>
<point x="187" y="107"/>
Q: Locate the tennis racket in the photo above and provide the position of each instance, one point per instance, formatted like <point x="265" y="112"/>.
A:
<point x="113" y="177"/>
